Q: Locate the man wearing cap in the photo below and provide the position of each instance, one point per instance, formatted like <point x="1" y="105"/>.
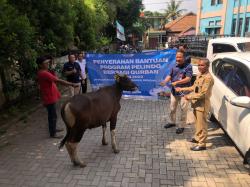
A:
<point x="49" y="92"/>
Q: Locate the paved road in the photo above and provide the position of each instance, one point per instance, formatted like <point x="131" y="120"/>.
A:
<point x="150" y="155"/>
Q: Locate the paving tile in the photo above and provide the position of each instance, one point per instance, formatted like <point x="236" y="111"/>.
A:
<point x="150" y="155"/>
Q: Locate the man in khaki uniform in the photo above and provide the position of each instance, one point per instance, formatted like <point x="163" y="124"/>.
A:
<point x="200" y="101"/>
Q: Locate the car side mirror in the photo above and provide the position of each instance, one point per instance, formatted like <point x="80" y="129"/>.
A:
<point x="241" y="101"/>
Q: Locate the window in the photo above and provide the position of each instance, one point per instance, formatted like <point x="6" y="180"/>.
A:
<point x="244" y="46"/>
<point x="213" y="2"/>
<point x="233" y="77"/>
<point x="224" y="71"/>
<point x="240" y="26"/>
<point x="222" y="48"/>
<point x="247" y="24"/>
<point x="217" y="31"/>
<point x="233" y="26"/>
<point x="220" y="2"/>
<point x="209" y="31"/>
<point x="238" y="83"/>
<point x="218" y="22"/>
<point x="211" y="23"/>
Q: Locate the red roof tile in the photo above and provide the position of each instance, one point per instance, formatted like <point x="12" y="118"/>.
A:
<point x="182" y="23"/>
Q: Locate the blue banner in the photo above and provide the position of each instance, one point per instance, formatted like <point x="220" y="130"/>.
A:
<point x="147" y="70"/>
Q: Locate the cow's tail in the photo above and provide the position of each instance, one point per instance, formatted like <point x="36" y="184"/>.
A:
<point x="67" y="126"/>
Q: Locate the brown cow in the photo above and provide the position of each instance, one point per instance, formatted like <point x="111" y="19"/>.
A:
<point x="93" y="110"/>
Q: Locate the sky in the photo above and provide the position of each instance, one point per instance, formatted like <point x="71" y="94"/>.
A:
<point x="159" y="5"/>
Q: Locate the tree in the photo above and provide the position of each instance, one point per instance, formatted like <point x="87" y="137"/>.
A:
<point x="173" y="10"/>
<point x="53" y="22"/>
<point x="131" y="11"/>
<point x="92" y="17"/>
<point x="30" y="28"/>
<point x="17" y="47"/>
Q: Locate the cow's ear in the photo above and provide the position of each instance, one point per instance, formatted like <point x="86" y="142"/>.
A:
<point x="117" y="77"/>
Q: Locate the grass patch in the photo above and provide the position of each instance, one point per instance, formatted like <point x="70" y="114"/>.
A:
<point x="19" y="111"/>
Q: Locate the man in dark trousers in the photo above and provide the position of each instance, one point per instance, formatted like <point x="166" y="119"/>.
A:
<point x="180" y="76"/>
<point x="49" y="92"/>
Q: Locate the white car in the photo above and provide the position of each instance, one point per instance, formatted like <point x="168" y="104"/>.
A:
<point x="230" y="100"/>
<point x="224" y="45"/>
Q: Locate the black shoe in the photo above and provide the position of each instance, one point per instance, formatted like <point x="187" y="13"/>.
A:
<point x="57" y="136"/>
<point x="193" y="140"/>
<point x="59" y="130"/>
<point x="169" y="125"/>
<point x="198" y="148"/>
<point x="179" y="130"/>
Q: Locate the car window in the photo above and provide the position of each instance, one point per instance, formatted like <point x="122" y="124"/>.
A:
<point x="222" y="48"/>
<point x="224" y="71"/>
<point x="244" y="46"/>
<point x="238" y="83"/>
<point x="233" y="77"/>
<point x="216" y="66"/>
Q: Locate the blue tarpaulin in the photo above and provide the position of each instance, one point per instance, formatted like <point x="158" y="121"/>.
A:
<point x="147" y="70"/>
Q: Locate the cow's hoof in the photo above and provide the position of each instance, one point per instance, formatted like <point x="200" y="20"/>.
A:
<point x="104" y="143"/>
<point x="116" y="151"/>
<point x="79" y="164"/>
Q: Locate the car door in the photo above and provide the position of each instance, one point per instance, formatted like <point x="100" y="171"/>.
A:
<point x="238" y="118"/>
<point x="219" y="70"/>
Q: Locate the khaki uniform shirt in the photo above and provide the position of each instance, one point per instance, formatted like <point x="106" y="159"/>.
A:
<point x="201" y="92"/>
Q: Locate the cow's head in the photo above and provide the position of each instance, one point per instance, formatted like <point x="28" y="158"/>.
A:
<point x="125" y="83"/>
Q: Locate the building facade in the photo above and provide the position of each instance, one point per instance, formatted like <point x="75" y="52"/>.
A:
<point x="223" y="17"/>
<point x="155" y="36"/>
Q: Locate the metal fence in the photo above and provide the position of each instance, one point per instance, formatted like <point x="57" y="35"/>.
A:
<point x="196" y="44"/>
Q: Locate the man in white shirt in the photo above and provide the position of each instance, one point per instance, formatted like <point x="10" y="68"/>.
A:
<point x="82" y="62"/>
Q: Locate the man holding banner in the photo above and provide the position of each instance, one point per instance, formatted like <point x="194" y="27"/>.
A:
<point x="180" y="75"/>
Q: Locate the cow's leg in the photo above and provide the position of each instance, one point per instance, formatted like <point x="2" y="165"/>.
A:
<point x="104" y="140"/>
<point x="72" y="150"/>
<point x="71" y="145"/>
<point x="113" y="137"/>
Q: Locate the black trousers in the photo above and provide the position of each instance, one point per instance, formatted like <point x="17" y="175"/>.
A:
<point x="52" y="118"/>
<point x="84" y="86"/>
